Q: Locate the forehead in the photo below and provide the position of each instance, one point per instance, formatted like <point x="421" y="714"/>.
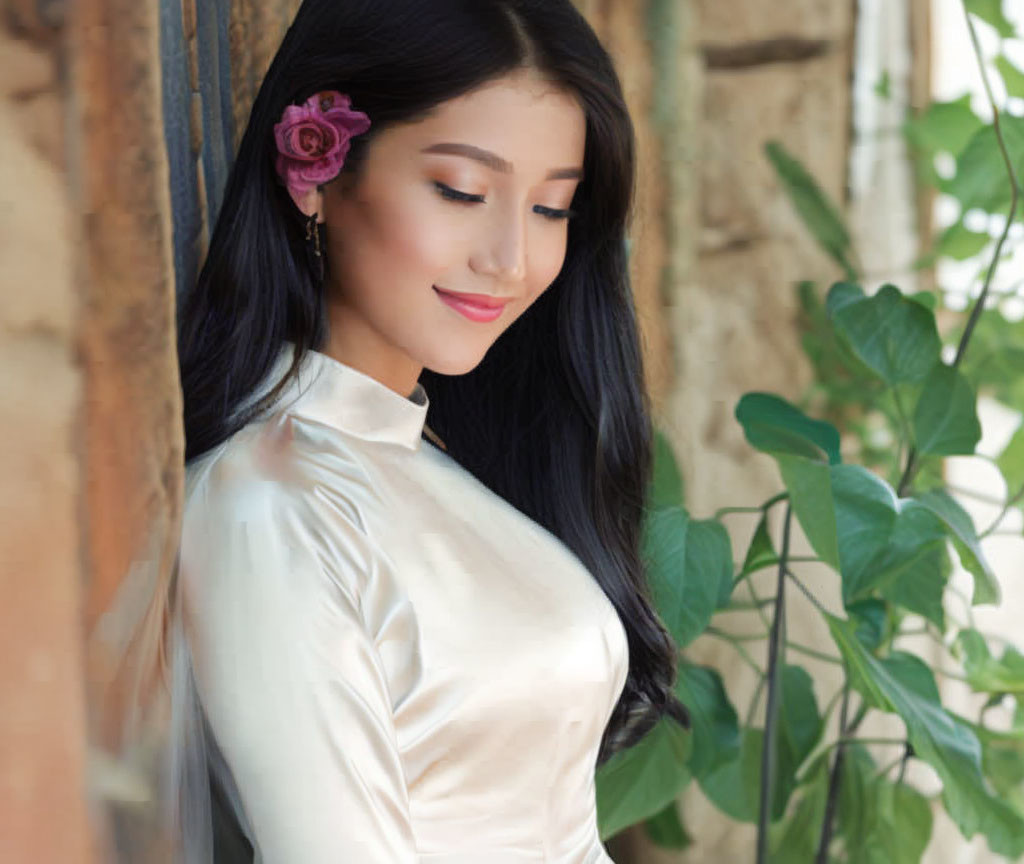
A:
<point x="525" y="120"/>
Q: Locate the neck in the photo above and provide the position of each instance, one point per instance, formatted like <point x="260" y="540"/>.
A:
<point x="354" y="342"/>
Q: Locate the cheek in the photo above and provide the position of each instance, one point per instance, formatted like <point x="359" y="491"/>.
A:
<point x="547" y="257"/>
<point x="407" y="235"/>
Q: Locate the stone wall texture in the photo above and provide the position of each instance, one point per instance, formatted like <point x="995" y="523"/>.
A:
<point x="44" y="809"/>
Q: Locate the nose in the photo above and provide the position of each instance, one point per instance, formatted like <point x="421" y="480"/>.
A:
<point x="501" y="253"/>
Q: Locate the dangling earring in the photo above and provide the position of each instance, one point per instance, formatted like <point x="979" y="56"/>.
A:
<point x="313" y="233"/>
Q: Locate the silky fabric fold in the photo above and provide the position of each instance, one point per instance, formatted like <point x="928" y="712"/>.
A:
<point x="392" y="663"/>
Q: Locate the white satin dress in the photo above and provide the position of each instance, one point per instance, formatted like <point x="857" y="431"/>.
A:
<point x="395" y="663"/>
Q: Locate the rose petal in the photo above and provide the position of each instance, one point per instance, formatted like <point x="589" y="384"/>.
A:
<point x="313" y="139"/>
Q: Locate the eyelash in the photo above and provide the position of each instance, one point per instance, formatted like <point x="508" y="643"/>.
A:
<point x="456" y="195"/>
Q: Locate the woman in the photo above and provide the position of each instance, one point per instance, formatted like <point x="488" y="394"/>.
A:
<point x="394" y="641"/>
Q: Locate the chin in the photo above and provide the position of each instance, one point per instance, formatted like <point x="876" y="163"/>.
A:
<point x="454" y="363"/>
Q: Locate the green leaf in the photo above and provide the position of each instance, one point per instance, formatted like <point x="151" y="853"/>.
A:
<point x="845" y="382"/>
<point x="773" y="425"/>
<point x="1013" y="78"/>
<point x="981" y="179"/>
<point x="965" y="539"/>
<point x="945" y="421"/>
<point x="803" y="448"/>
<point x="892" y="545"/>
<point x="816" y="210"/>
<point x="985" y="673"/>
<point x="637" y="783"/>
<point x="1002" y="757"/>
<point x="994" y="363"/>
<point x="996" y="366"/>
<point x="1011" y="462"/>
<point x="688" y="561"/>
<point x="809" y="484"/>
<point x="900" y="827"/>
<point x="892" y="335"/>
<point x="667" y="482"/>
<point x="715" y="727"/>
<point x="796" y="838"/>
<point x="991" y="12"/>
<point x="856" y="813"/>
<point x="733" y="784"/>
<point x="928" y="299"/>
<point x="950" y="747"/>
<point x="842" y="294"/>
<point x="958" y="243"/>
<point x="666" y="829"/>
<point x="870" y="616"/>
<point x="761" y="551"/>
<point x="943" y="127"/>
<point x="922" y="590"/>
<point x="913" y="674"/>
<point x="799" y="729"/>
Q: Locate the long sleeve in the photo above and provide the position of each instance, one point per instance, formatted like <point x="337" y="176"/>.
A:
<point x="291" y="682"/>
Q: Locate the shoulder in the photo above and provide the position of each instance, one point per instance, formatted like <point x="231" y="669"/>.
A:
<point x="265" y="494"/>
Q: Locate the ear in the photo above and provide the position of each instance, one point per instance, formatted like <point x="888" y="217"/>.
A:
<point x="309" y="202"/>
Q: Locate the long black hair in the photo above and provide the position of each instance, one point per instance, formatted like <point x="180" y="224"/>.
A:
<point x="556" y="417"/>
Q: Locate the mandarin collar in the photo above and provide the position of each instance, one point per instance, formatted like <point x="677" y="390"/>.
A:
<point x="331" y="392"/>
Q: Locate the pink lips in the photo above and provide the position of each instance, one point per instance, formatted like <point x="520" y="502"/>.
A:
<point x="476" y="307"/>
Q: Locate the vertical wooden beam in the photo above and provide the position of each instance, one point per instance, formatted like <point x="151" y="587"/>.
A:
<point x="130" y="441"/>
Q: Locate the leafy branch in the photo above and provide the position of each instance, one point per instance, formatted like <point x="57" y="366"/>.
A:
<point x="887" y="528"/>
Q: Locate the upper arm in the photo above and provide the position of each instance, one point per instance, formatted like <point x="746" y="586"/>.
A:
<point x="292" y="684"/>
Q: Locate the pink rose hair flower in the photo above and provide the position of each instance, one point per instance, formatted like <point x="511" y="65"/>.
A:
<point x="313" y="140"/>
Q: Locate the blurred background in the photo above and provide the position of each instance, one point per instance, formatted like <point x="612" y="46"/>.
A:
<point x="118" y="120"/>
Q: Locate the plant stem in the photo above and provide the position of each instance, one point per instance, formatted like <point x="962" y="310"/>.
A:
<point x="977" y="496"/>
<point x="775" y="499"/>
<point x="807" y="592"/>
<point x="754" y="598"/>
<point x="1002" y="513"/>
<point x="725" y="511"/>
<point x="858" y="718"/>
<point x="743" y="606"/>
<point x="908" y="472"/>
<point x="885" y="769"/>
<point x="793" y="559"/>
<point x="737" y="637"/>
<point x="956" y="676"/>
<point x="738" y="645"/>
<point x="754" y="700"/>
<point x="832" y="801"/>
<point x="919" y="631"/>
<point x="907" y="751"/>
<point x="775" y="643"/>
<point x="853" y="739"/>
<point x="763" y="508"/>
<point x="906" y="432"/>
<point x="832" y="703"/>
<point x="810" y="652"/>
<point x="979" y="304"/>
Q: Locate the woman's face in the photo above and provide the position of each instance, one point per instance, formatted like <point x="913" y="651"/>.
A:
<point x="516" y="146"/>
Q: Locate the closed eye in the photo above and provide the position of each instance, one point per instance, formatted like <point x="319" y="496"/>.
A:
<point x="455" y="195"/>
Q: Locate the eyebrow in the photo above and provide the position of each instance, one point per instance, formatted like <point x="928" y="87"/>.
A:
<point x="495" y="162"/>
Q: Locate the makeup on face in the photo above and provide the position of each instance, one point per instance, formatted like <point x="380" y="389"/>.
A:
<point x="453" y="215"/>
<point x="475" y="307"/>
